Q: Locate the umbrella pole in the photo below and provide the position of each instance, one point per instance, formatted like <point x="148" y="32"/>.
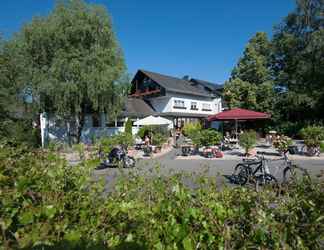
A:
<point x="236" y="129"/>
<point x="236" y="123"/>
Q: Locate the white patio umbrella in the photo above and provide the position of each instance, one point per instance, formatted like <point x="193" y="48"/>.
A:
<point x="152" y="120"/>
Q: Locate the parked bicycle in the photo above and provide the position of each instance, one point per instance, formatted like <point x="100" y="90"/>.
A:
<point x="255" y="170"/>
<point x="258" y="170"/>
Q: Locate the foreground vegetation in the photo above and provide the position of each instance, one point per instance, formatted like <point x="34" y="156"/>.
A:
<point x="46" y="204"/>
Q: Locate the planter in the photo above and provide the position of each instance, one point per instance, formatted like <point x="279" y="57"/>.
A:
<point x="186" y="150"/>
<point x="293" y="150"/>
<point x="147" y="151"/>
<point x="156" y="149"/>
<point x="313" y="151"/>
<point x="208" y="153"/>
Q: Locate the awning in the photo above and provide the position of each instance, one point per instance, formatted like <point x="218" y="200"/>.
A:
<point x="238" y="114"/>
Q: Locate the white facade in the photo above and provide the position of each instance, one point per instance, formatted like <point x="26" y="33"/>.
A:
<point x="55" y="129"/>
<point x="180" y="103"/>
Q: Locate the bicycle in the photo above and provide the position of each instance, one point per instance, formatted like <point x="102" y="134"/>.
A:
<point x="292" y="172"/>
<point x="261" y="176"/>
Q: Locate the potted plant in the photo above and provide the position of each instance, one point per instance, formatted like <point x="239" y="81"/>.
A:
<point x="282" y="143"/>
<point x="158" y="140"/>
<point x="209" y="138"/>
<point x="313" y="136"/>
<point x="248" y="141"/>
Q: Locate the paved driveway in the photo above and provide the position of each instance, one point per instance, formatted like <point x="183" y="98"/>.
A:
<point x="218" y="168"/>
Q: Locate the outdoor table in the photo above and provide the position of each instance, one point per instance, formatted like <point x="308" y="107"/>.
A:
<point x="139" y="145"/>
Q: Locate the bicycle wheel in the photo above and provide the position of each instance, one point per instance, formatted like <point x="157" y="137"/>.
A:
<point x="294" y="174"/>
<point x="265" y="180"/>
<point x="241" y="174"/>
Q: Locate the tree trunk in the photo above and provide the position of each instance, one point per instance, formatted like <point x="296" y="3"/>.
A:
<point x="80" y="125"/>
<point x="68" y="131"/>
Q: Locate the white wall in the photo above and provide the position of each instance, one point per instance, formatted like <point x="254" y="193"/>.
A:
<point x="161" y="104"/>
<point x="55" y="129"/>
<point x="166" y="104"/>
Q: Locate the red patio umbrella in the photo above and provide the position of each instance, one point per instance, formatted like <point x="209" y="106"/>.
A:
<point x="237" y="115"/>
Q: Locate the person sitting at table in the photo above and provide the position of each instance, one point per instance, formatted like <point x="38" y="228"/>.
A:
<point x="147" y="140"/>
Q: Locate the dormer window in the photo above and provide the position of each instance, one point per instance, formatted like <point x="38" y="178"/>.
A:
<point x="179" y="104"/>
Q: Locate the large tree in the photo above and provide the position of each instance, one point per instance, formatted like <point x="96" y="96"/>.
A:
<point x="253" y="67"/>
<point x="251" y="85"/>
<point x="298" y="61"/>
<point x="15" y="111"/>
<point x="72" y="60"/>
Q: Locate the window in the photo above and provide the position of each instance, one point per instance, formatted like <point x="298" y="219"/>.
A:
<point x="179" y="104"/>
<point x="206" y="107"/>
<point x="194" y="106"/>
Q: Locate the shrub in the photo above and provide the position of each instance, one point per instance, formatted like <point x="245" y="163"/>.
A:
<point x="189" y="129"/>
<point x="106" y="144"/>
<point x="20" y="132"/>
<point x="290" y="129"/>
<point x="80" y="148"/>
<point x="128" y="126"/>
<point x="312" y="135"/>
<point x="210" y="137"/>
<point x="158" y="139"/>
<point x="46" y="204"/>
<point x="145" y="130"/>
<point x="248" y="140"/>
<point x="282" y="143"/>
<point x="322" y="147"/>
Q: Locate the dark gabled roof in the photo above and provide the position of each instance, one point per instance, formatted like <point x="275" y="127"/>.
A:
<point x="178" y="85"/>
<point x="135" y="107"/>
<point x="209" y="85"/>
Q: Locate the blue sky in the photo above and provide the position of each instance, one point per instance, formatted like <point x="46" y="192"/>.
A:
<point x="203" y="39"/>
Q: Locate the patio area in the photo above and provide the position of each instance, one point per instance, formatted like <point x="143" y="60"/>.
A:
<point x="261" y="147"/>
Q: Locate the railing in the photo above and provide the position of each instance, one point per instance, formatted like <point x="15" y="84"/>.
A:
<point x="146" y="92"/>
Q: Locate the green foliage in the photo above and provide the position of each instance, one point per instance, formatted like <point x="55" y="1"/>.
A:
<point x="282" y="143"/>
<point x="253" y="67"/>
<point x="238" y="93"/>
<point x="128" y="126"/>
<point x="45" y="204"/>
<point x="106" y="144"/>
<point x="72" y="60"/>
<point x="190" y="128"/>
<point x="284" y="76"/>
<point x="19" y="131"/>
<point x="158" y="139"/>
<point x="145" y="130"/>
<point x="80" y="148"/>
<point x="289" y="128"/>
<point x="322" y="147"/>
<point x="210" y="137"/>
<point x="297" y="52"/>
<point x="248" y="140"/>
<point x="203" y="137"/>
<point x="312" y="135"/>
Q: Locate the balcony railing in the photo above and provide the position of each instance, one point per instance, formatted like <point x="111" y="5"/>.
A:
<point x="145" y="92"/>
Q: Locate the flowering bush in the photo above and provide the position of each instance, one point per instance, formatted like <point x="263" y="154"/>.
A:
<point x="282" y="143"/>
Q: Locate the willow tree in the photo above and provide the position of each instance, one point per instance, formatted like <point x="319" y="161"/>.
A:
<point x="73" y="60"/>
